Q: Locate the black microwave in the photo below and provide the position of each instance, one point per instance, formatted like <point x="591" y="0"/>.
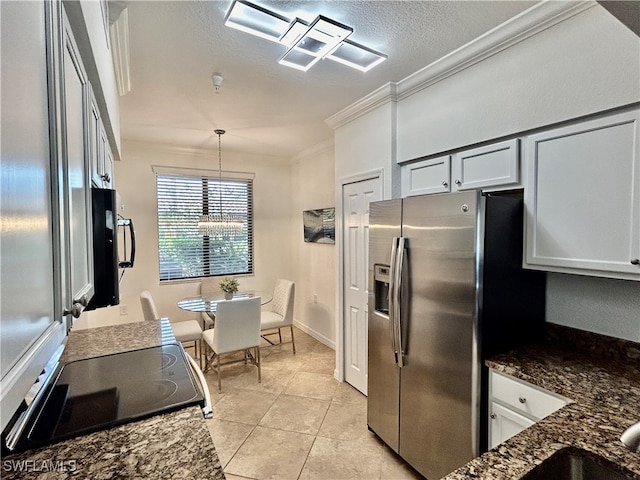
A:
<point x="114" y="247"/>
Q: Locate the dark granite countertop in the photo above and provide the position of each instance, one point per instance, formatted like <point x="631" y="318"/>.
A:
<point x="172" y="445"/>
<point x="601" y="375"/>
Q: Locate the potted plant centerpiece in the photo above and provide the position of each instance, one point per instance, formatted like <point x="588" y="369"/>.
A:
<point x="229" y="286"/>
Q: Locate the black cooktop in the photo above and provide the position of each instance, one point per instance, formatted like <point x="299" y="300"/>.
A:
<point x="102" y="392"/>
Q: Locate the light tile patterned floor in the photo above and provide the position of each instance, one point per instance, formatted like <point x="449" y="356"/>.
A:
<point x="299" y="423"/>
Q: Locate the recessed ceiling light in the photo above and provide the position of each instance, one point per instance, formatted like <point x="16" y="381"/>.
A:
<point x="306" y="43"/>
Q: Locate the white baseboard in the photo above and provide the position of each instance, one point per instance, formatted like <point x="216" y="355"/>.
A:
<point x="318" y="336"/>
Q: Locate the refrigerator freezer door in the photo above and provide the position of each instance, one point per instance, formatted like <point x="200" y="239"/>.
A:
<point x="439" y="379"/>
<point x="384" y="376"/>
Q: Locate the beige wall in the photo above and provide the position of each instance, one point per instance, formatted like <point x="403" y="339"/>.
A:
<point x="135" y="182"/>
<point x="314" y="265"/>
<point x="282" y="190"/>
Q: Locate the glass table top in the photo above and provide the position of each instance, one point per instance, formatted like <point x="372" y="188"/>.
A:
<point x="207" y="302"/>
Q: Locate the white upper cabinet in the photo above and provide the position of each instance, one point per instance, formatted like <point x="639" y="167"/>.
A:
<point x="426" y="176"/>
<point x="77" y="183"/>
<point x="489" y="166"/>
<point x="582" y="198"/>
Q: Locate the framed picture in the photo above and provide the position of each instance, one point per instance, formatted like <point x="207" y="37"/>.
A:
<point x="319" y="225"/>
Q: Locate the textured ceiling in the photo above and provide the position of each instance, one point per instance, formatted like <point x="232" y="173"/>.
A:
<point x="267" y="108"/>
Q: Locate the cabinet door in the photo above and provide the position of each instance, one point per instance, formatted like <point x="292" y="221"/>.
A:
<point x="93" y="140"/>
<point x="504" y="424"/>
<point x="489" y="166"/>
<point x="583" y="198"/>
<point x="426" y="176"/>
<point x="77" y="181"/>
<point x="106" y="172"/>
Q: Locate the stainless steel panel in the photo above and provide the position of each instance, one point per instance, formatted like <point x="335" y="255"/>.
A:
<point x="384" y="377"/>
<point x="438" y="392"/>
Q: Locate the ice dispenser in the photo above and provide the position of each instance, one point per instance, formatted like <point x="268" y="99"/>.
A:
<point x="381" y="286"/>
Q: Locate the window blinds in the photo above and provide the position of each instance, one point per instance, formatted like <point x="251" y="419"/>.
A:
<point x="186" y="253"/>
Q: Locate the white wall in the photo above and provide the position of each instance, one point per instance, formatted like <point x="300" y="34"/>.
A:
<point x="135" y="182"/>
<point x="367" y="144"/>
<point x="313" y="264"/>
<point x="585" y="64"/>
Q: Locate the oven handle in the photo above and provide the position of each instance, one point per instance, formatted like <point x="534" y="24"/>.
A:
<point x="206" y="410"/>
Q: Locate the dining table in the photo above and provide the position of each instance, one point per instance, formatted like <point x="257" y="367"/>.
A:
<point x="208" y="302"/>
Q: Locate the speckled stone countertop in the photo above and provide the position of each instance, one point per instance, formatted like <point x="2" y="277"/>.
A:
<point x="601" y="375"/>
<point x="174" y="445"/>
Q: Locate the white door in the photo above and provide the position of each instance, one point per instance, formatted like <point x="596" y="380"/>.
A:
<point x="355" y="213"/>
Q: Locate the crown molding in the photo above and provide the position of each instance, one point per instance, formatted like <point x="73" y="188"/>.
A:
<point x="381" y="96"/>
<point x="119" y="34"/>
<point x="532" y="21"/>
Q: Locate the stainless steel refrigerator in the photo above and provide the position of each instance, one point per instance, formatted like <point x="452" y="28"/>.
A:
<point x="446" y="290"/>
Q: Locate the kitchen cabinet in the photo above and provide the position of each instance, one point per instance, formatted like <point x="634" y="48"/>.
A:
<point x="426" y="176"/>
<point x="100" y="157"/>
<point x="76" y="180"/>
<point x="487" y="167"/>
<point x="515" y="405"/>
<point x="582" y="198"/>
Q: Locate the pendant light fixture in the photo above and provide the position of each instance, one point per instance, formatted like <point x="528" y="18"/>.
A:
<point x="220" y="224"/>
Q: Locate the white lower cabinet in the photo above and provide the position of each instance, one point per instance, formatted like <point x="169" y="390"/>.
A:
<point x="582" y="198"/>
<point x="515" y="405"/>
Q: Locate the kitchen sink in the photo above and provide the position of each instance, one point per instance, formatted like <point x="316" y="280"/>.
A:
<point x="575" y="464"/>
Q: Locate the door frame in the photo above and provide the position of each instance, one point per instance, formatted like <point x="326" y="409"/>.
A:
<point x="339" y="372"/>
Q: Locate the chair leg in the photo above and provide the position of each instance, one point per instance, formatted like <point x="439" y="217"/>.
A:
<point x="258" y="364"/>
<point x="293" y="342"/>
<point x="280" y="334"/>
<point x="219" y="375"/>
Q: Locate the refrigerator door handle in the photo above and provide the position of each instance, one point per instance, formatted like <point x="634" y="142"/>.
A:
<point x="397" y="314"/>
<point x="392" y="298"/>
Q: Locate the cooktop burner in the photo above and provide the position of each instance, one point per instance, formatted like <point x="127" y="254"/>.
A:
<point x="102" y="392"/>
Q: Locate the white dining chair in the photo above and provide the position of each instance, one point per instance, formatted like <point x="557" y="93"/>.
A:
<point x="281" y="313"/>
<point x="237" y="328"/>
<point x="185" y="331"/>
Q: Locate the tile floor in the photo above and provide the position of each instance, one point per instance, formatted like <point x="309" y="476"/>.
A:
<point x="299" y="423"/>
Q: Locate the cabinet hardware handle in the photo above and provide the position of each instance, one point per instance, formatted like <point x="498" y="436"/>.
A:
<point x="106" y="177"/>
<point x="635" y="261"/>
<point x="522" y="400"/>
<point x="83" y="300"/>
<point x="75" y="311"/>
<point x="444" y="184"/>
<point x="458" y="182"/>
<point x="493" y="415"/>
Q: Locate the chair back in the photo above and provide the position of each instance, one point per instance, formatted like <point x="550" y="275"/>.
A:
<point x="148" y="306"/>
<point x="237" y="325"/>
<point x="283" y="296"/>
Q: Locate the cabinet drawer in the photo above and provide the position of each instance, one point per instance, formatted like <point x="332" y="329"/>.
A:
<point x="522" y="397"/>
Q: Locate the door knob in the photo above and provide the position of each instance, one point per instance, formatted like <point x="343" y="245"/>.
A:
<point x="493" y="415"/>
<point x="444" y="184"/>
<point x="458" y="182"/>
<point x="635" y="261"/>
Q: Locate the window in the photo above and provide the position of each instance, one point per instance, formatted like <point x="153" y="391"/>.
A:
<point x="185" y="252"/>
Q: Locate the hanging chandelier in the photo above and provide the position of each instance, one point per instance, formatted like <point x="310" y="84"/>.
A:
<point x="220" y="224"/>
